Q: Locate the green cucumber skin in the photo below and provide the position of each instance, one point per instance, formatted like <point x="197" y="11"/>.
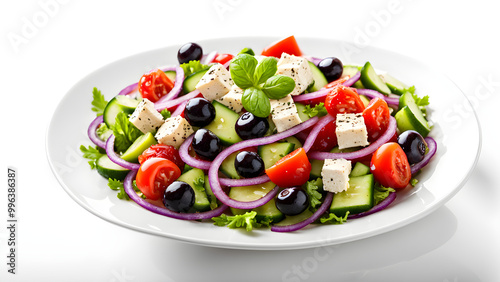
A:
<point x="138" y="147"/>
<point x="192" y="80"/>
<point x="359" y="169"/>
<point x="371" y="80"/>
<point x="108" y="169"/>
<point x="227" y="167"/>
<point x="358" y="198"/>
<point x="201" y="202"/>
<point x="410" y="117"/>
<point x="115" y="106"/>
<point x="318" y="77"/>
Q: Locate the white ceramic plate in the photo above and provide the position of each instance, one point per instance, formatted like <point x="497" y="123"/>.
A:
<point x="458" y="150"/>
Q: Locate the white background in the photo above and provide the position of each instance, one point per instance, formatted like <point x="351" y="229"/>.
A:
<point x="46" y="49"/>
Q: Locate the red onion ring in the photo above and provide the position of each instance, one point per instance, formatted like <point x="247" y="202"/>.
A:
<point x="373" y="93"/>
<point x="318" y="213"/>
<point x="129" y="89"/>
<point x="313" y="60"/>
<point x="432" y="145"/>
<point x="185" y="157"/>
<point x="388" y="134"/>
<point x="91" y="132"/>
<point x="114" y="157"/>
<point x="127" y="184"/>
<point x="179" y="83"/>
<point x="213" y="172"/>
<point x="179" y="109"/>
<point x="313" y="95"/>
<point x="245" y="181"/>
<point x="316" y="129"/>
<point x="350" y="82"/>
<point x="226" y="65"/>
<point x="159" y="106"/>
<point x="209" y="58"/>
<point x="380" y="206"/>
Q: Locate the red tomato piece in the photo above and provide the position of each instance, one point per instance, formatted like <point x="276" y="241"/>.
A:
<point x="376" y="116"/>
<point x="155" y="175"/>
<point x="222" y="58"/>
<point x="291" y="170"/>
<point x="155" y="85"/>
<point x="288" y="45"/>
<point x="343" y="100"/>
<point x="327" y="138"/>
<point x="162" y="151"/>
<point x="337" y="82"/>
<point x="390" y="166"/>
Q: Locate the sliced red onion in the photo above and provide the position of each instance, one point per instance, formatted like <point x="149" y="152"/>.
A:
<point x="373" y="93"/>
<point x="316" y="129"/>
<point x="244" y="182"/>
<point x="129" y="89"/>
<point x="184" y="154"/>
<point x="209" y="58"/>
<point x="91" y="132"/>
<point x="213" y="172"/>
<point x="226" y="64"/>
<point x="313" y="60"/>
<point x="179" y="109"/>
<point x="380" y="206"/>
<point x="159" y="106"/>
<point x="127" y="184"/>
<point x="114" y="157"/>
<point x="350" y="82"/>
<point x="388" y="134"/>
<point x="179" y="82"/>
<point x="313" y="95"/>
<point x="432" y="145"/>
<point x="319" y="212"/>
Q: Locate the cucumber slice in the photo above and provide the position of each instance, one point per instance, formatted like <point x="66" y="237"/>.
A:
<point x="192" y="177"/>
<point x="293" y="140"/>
<point x="350" y="71"/>
<point x="223" y="124"/>
<point x="171" y="75"/>
<point x="273" y="152"/>
<point x="359" y="169"/>
<point x="227" y="166"/>
<point x="318" y="77"/>
<point x="109" y="169"/>
<point x="396" y="86"/>
<point x="118" y="104"/>
<point x="410" y="117"/>
<point x="365" y="100"/>
<point x="358" y="198"/>
<point x="193" y="79"/>
<point x="300" y="110"/>
<point x="316" y="168"/>
<point x="211" y="196"/>
<point x="371" y="80"/>
<point x="255" y="192"/>
<point x="140" y="144"/>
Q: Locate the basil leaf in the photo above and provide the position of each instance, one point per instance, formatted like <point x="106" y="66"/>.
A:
<point x="242" y="70"/>
<point x="265" y="70"/>
<point x="248" y="51"/>
<point x="256" y="102"/>
<point x="278" y="86"/>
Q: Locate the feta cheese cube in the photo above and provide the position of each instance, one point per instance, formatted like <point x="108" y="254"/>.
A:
<point x="335" y="173"/>
<point x="145" y="117"/>
<point x="296" y="68"/>
<point x="232" y="100"/>
<point x="351" y="131"/>
<point x="215" y="83"/>
<point x="284" y="113"/>
<point x="174" y="131"/>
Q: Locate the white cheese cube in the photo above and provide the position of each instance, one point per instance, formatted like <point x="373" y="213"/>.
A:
<point x="298" y="69"/>
<point x="215" y="83"/>
<point x="174" y="131"/>
<point x="351" y="131"/>
<point x="232" y="100"/>
<point x="335" y="175"/>
<point x="284" y="113"/>
<point x="145" y="117"/>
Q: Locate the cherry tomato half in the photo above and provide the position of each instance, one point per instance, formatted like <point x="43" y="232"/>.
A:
<point x="155" y="175"/>
<point x="390" y="166"/>
<point x="343" y="100"/>
<point x="288" y="45"/>
<point x="155" y="85"/>
<point x="162" y="151"/>
<point x="376" y="116"/>
<point x="222" y="58"/>
<point x="291" y="170"/>
<point x="327" y="138"/>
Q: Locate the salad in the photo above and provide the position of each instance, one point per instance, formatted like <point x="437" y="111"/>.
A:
<point x="279" y="139"/>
